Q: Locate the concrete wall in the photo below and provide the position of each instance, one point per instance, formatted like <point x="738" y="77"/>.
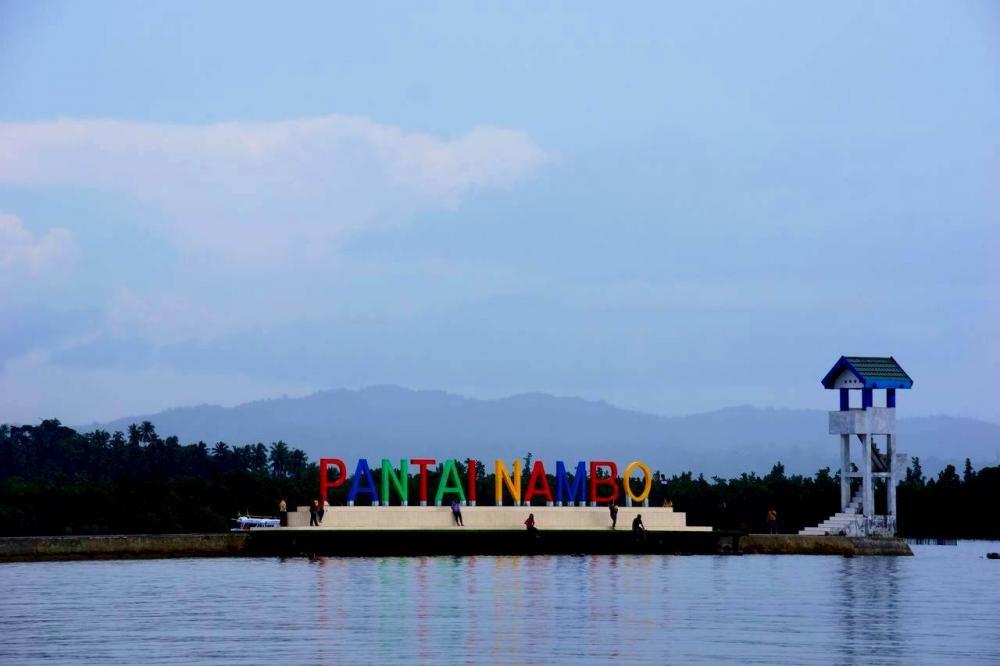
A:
<point x="874" y="420"/>
<point x="114" y="546"/>
<point x="491" y="518"/>
<point x="798" y="544"/>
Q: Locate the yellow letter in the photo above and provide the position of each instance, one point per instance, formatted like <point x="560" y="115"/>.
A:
<point x="628" y="487"/>
<point x="503" y="479"/>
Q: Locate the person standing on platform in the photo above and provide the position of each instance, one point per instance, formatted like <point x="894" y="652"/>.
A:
<point x="613" y="508"/>
<point x="772" y="520"/>
<point x="456" y="512"/>
<point x="638" y="529"/>
<point x="283" y="513"/>
<point x="663" y="489"/>
<point x="314" y="514"/>
<point x="320" y="510"/>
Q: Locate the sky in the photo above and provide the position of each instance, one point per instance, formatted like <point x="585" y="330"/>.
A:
<point x="671" y="208"/>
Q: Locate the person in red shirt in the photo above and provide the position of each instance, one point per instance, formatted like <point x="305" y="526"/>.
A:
<point x="530" y="524"/>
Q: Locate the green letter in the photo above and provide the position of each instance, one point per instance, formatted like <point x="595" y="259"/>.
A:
<point x="449" y="483"/>
<point x="399" y="481"/>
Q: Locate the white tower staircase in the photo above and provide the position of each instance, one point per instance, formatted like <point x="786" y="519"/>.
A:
<point x="843" y="522"/>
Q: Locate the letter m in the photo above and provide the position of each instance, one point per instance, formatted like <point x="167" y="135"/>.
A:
<point x="578" y="491"/>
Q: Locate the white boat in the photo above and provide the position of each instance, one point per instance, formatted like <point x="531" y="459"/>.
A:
<point x="248" y="522"/>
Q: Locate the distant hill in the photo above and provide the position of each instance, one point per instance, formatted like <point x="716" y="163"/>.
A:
<point x="396" y="422"/>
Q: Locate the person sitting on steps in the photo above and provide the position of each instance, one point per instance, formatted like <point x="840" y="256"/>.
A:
<point x="638" y="529"/>
<point x="530" y="524"/>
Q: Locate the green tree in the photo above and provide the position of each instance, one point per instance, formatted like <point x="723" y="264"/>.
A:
<point x="147" y="432"/>
<point x="949" y="477"/>
<point x="280" y="461"/>
<point x="969" y="474"/>
<point x="915" y="473"/>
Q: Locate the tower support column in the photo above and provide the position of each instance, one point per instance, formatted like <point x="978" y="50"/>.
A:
<point x="892" y="480"/>
<point x="866" y="481"/>
<point x="845" y="471"/>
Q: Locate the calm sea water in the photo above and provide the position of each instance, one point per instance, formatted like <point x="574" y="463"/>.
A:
<point x="941" y="606"/>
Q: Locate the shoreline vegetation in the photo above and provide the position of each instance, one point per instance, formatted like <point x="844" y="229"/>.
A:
<point x="57" y="481"/>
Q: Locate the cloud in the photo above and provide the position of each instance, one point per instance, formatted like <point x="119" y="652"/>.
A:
<point x="269" y="190"/>
<point x="255" y="214"/>
<point x="28" y="328"/>
<point x="24" y="254"/>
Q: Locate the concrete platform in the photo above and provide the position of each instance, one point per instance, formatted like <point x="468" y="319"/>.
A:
<point x="547" y="518"/>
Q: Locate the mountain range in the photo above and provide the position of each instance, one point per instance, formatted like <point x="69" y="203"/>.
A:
<point x="395" y="422"/>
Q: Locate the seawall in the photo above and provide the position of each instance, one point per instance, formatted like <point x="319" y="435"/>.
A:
<point x="802" y="544"/>
<point x="28" y="549"/>
<point x="456" y="541"/>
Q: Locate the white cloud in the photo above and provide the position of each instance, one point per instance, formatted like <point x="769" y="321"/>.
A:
<point x="256" y="211"/>
<point x="24" y="254"/>
<point x="260" y="191"/>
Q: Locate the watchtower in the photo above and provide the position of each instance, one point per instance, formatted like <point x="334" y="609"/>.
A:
<point x="871" y="424"/>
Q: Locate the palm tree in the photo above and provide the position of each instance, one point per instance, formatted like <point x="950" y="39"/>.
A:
<point x="220" y="451"/>
<point x="133" y="435"/>
<point x="279" y="459"/>
<point x="243" y="456"/>
<point x="298" y="461"/>
<point x="147" y="432"/>
<point x="259" y="458"/>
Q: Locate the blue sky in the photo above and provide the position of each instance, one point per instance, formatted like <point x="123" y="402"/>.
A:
<point x="671" y="208"/>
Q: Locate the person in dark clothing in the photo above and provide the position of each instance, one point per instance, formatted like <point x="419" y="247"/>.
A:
<point x="613" y="508"/>
<point x="638" y="529"/>
<point x="283" y="513"/>
<point x="530" y="524"/>
<point x="456" y="512"/>
<point x="314" y="514"/>
<point x="320" y="510"/>
<point x="772" y="520"/>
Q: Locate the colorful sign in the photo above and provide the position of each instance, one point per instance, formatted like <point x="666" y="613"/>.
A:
<point x="595" y="484"/>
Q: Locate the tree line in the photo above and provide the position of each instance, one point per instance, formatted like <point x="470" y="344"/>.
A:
<point x="54" y="480"/>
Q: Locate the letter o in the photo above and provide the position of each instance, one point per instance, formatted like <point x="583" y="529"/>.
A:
<point x="641" y="497"/>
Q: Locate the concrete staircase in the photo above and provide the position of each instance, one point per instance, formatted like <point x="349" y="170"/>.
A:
<point x="840" y="521"/>
<point x="880" y="461"/>
<point x="491" y="518"/>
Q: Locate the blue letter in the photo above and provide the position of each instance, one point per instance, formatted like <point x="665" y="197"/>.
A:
<point x="578" y="493"/>
<point x="362" y="470"/>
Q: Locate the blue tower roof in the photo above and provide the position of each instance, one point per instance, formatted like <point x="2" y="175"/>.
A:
<point x="872" y="372"/>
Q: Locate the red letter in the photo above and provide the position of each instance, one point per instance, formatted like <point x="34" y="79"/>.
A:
<point x="422" y="463"/>
<point x="538" y="478"/>
<point x="610" y="481"/>
<point x="324" y="479"/>
<point x="472" y="481"/>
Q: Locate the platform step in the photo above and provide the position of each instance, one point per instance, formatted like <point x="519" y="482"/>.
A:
<point x="491" y="517"/>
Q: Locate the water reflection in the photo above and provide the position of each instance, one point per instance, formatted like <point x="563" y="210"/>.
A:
<point x="869" y="602"/>
<point x="936" y="607"/>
